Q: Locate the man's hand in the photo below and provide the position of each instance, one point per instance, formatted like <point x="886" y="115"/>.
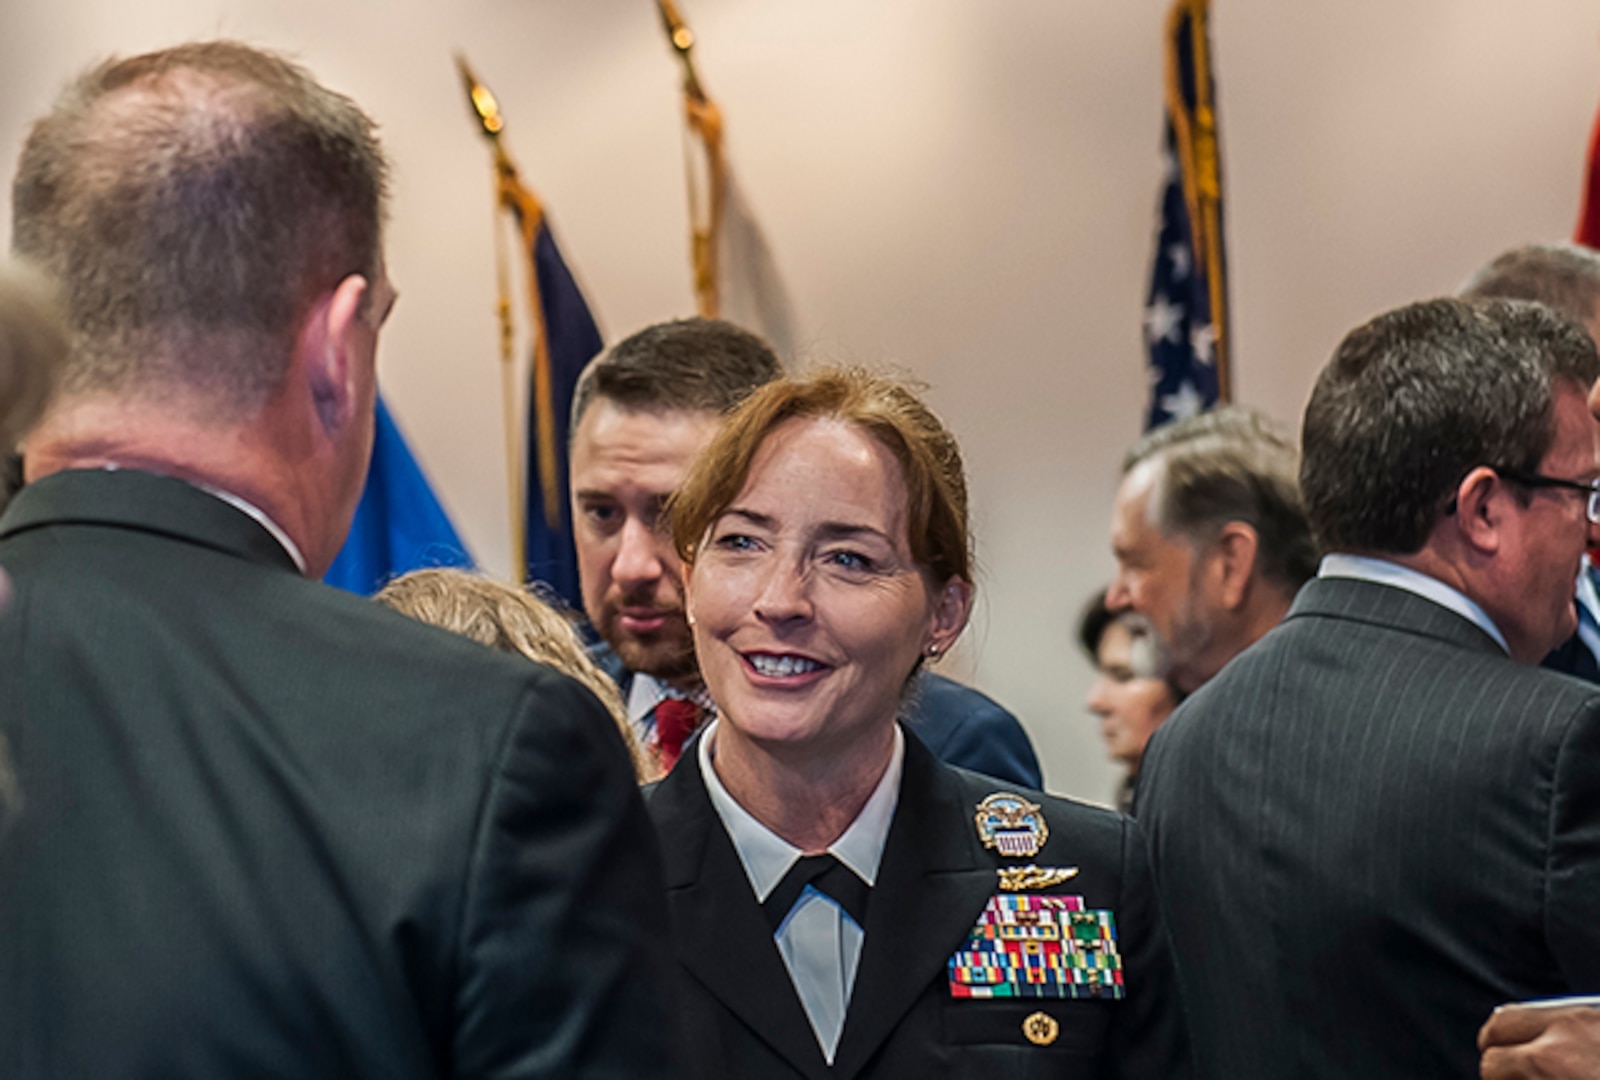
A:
<point x="1522" y="1043"/>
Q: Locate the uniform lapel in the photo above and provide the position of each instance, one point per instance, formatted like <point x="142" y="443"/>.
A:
<point x="722" y="938"/>
<point x="931" y="888"/>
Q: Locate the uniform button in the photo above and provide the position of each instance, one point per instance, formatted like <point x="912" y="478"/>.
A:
<point x="1041" y="1029"/>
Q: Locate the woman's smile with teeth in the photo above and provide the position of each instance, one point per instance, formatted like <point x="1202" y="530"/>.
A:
<point x="766" y="664"/>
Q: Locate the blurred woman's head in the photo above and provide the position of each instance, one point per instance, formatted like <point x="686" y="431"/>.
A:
<point x="1131" y="695"/>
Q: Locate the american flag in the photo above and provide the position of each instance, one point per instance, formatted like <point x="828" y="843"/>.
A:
<point x="1185" y="319"/>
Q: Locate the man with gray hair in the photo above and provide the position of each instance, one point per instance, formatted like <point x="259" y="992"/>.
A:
<point x="268" y="828"/>
<point x="1209" y="536"/>
<point x="1383" y="821"/>
<point x="1565" y="277"/>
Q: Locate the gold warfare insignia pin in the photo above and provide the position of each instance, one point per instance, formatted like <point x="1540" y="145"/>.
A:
<point x="1029" y="878"/>
<point x="1012" y="825"/>
<point x="1041" y="1029"/>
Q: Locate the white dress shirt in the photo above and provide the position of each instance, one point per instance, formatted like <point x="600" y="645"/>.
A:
<point x="820" y="943"/>
<point x="1588" y="604"/>
<point x="251" y="510"/>
<point x="1384" y="572"/>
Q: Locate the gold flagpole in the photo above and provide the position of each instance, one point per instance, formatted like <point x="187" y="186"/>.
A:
<point x="1201" y="167"/>
<point x="514" y="197"/>
<point x="705" y="124"/>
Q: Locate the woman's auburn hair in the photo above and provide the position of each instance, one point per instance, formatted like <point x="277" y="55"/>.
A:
<point x="882" y="407"/>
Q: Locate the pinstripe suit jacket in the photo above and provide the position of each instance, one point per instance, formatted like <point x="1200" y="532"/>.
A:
<point x="1368" y="830"/>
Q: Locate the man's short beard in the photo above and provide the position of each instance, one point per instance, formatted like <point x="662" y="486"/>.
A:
<point x="660" y="658"/>
<point x="671" y="667"/>
<point x="1191" y="639"/>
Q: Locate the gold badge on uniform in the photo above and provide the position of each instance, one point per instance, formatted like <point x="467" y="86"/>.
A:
<point x="1031" y="878"/>
<point x="1041" y="1029"/>
<point x="1012" y="825"/>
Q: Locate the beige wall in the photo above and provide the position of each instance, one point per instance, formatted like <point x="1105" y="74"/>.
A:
<point x="963" y="189"/>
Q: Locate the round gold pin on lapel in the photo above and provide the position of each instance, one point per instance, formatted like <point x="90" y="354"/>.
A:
<point x="1041" y="1029"/>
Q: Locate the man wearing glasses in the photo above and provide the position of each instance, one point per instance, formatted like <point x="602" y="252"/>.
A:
<point x="1565" y="277"/>
<point x="1383" y="820"/>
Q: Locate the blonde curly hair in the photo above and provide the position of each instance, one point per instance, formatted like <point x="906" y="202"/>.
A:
<point x="511" y="619"/>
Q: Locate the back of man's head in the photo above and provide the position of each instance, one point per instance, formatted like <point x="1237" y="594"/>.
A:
<point x="694" y="365"/>
<point x="1416" y="399"/>
<point x="1231" y="464"/>
<point x="192" y="204"/>
<point x="1565" y="277"/>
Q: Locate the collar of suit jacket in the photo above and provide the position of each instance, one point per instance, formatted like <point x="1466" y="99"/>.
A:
<point x="144" y="502"/>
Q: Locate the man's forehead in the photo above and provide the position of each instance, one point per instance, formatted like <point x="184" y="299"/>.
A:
<point x="1131" y="511"/>
<point x="616" y="438"/>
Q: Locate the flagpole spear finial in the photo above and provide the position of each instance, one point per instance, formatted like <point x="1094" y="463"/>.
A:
<point x="483" y="103"/>
<point x="509" y="195"/>
<point x="682" y="40"/>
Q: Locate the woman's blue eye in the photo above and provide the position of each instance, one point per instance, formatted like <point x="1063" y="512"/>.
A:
<point x="850" y="560"/>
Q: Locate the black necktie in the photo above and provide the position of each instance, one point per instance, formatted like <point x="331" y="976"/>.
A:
<point x="829" y="876"/>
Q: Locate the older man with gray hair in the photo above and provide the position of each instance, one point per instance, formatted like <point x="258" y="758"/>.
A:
<point x="1565" y="277"/>
<point x="1210" y="539"/>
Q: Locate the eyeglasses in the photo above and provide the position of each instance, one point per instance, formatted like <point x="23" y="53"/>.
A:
<point x="1591" y="488"/>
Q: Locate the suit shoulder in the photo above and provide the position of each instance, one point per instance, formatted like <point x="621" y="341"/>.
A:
<point x="966" y="727"/>
<point x="410" y="676"/>
<point x="1557" y="683"/>
<point x="365" y="626"/>
<point x="939" y="692"/>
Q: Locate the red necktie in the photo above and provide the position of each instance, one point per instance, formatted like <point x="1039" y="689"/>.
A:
<point x="676" y="720"/>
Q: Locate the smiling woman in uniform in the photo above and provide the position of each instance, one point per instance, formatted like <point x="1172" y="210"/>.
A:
<point x="844" y="904"/>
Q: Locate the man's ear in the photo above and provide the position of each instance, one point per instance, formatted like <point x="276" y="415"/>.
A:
<point x="952" y="606"/>
<point x="332" y="360"/>
<point x="1479" y="508"/>
<point x="1233" y="562"/>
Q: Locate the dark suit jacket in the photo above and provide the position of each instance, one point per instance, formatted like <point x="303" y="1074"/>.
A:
<point x="269" y="829"/>
<point x="960" y="725"/>
<point x="1370" y="829"/>
<point x="740" y="1016"/>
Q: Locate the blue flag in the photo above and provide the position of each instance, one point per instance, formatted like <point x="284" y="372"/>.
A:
<point x="1185" y="320"/>
<point x="571" y="340"/>
<point x="399" y="524"/>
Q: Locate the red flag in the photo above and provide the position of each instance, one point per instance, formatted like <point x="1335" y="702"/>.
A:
<point x="1588" y="233"/>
